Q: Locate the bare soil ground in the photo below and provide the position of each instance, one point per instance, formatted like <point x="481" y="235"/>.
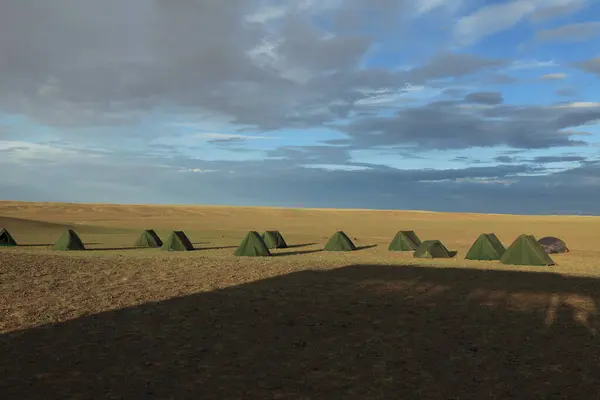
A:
<point x="116" y="322"/>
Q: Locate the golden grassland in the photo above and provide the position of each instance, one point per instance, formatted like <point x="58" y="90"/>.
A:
<point x="363" y="324"/>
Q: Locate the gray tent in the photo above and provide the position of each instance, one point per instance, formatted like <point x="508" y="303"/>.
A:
<point x="552" y="245"/>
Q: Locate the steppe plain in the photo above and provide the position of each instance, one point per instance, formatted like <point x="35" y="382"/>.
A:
<point x="118" y="322"/>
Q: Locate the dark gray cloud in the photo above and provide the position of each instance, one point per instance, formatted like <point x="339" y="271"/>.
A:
<point x="304" y="46"/>
<point x="592" y="66"/>
<point x="109" y="61"/>
<point x="576" y="117"/>
<point x="491" y="98"/>
<point x="556" y="76"/>
<point x="560" y="9"/>
<point x="566" y="91"/>
<point x="448" y="125"/>
<point x="65" y="63"/>
<point x="6" y="132"/>
<point x="467" y="160"/>
<point x="505" y="159"/>
<point x="227" y="141"/>
<point x="502" y="79"/>
<point x="575" y="32"/>
<point x="455" y="93"/>
<point x="453" y="65"/>
<point x="301" y="155"/>
<point x="211" y="59"/>
<point x="540" y="159"/>
<point x="477" y="189"/>
<point x="555" y="159"/>
<point x="334" y="142"/>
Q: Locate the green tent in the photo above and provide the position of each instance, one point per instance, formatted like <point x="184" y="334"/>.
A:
<point x="6" y="239"/>
<point x="177" y="241"/>
<point x="148" y="238"/>
<point x="405" y="241"/>
<point x="69" y="240"/>
<point x="339" y="242"/>
<point x="525" y="250"/>
<point x="486" y="247"/>
<point x="433" y="249"/>
<point x="252" y="245"/>
<point x="274" y="240"/>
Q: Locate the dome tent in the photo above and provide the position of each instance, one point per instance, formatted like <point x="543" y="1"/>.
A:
<point x="553" y="245"/>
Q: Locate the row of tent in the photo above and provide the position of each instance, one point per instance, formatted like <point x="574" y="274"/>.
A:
<point x="525" y="250"/>
<point x="253" y="243"/>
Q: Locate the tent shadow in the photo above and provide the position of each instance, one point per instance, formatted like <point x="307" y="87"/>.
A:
<point x="295" y="253"/>
<point x="46" y="245"/>
<point x="119" y="248"/>
<point x="356" y="332"/>
<point x="217" y="248"/>
<point x="366" y="247"/>
<point x="294" y="246"/>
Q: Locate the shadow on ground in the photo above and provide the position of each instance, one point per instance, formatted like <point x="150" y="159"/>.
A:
<point x="294" y="246"/>
<point x="358" y="332"/>
<point x="47" y="244"/>
<point x="295" y="253"/>
<point x="216" y="248"/>
<point x="370" y="246"/>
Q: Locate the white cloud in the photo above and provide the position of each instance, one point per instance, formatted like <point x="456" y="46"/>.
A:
<point x="265" y="54"/>
<point x="555" y="76"/>
<point x="573" y="132"/>
<point x="316" y="6"/>
<point x="197" y="170"/>
<point x="23" y="152"/>
<point x="425" y="6"/>
<point x="579" y="104"/>
<point x="491" y="19"/>
<point x="476" y="106"/>
<point x="191" y="139"/>
<point x="379" y="97"/>
<point x="486" y="181"/>
<point x="273" y="12"/>
<point x="532" y="64"/>
<point x="336" y="167"/>
<point x="266" y="14"/>
<point x="494" y="18"/>
<point x="225" y="136"/>
<point x="394" y="97"/>
<point x="555" y="8"/>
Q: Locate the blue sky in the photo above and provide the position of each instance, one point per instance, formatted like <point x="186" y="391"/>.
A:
<point x="455" y="105"/>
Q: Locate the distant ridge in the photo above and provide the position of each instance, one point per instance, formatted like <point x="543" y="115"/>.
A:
<point x="317" y="209"/>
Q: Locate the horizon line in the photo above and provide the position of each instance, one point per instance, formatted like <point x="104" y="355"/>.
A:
<point x="345" y="209"/>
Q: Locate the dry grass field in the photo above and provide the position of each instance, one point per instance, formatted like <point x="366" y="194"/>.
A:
<point x="122" y="323"/>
